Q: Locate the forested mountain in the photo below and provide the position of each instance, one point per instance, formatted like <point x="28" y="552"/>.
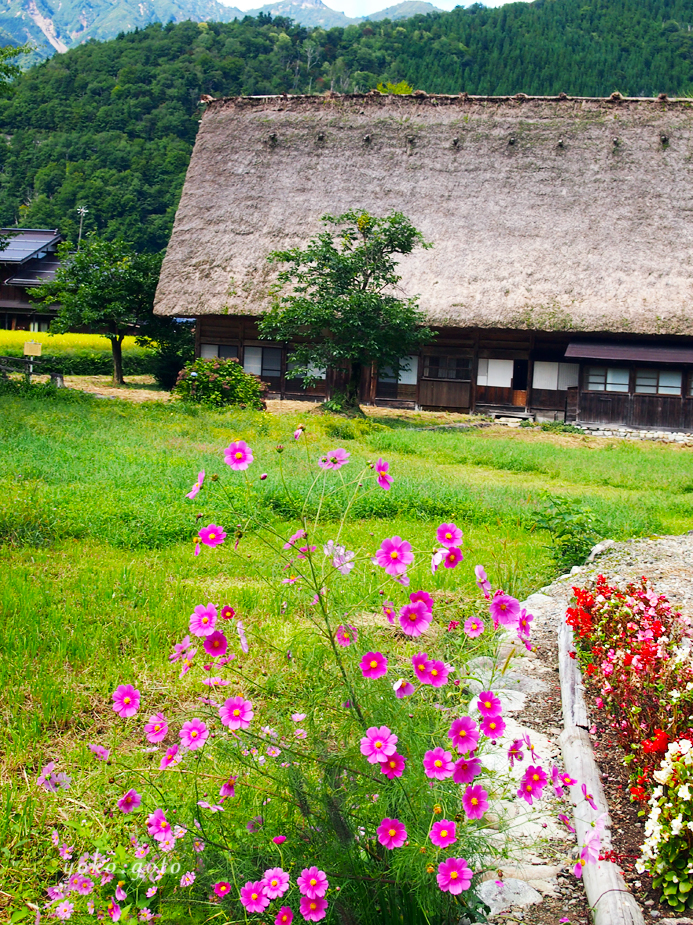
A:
<point x="111" y="125"/>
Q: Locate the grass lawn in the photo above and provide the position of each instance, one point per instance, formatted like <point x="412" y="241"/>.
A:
<point x="98" y="578"/>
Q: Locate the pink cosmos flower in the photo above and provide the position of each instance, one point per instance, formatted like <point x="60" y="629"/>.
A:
<point x="437" y="558"/>
<point x="465" y="770"/>
<point x="197" y="486"/>
<point x="424" y="597"/>
<point x="515" y="752"/>
<point x="126" y="700"/>
<point x="236" y="713"/>
<point x="384" y="480"/>
<point x="393" y="766"/>
<point x="403" y="688"/>
<point x="227" y="788"/>
<point x="345" y="635"/>
<point x="129" y="801"/>
<point x="378" y="744"/>
<point x="335" y="459"/>
<point x="227" y="612"/>
<point x="215" y="644"/>
<point x="100" y="752"/>
<point x="560" y="781"/>
<point x="211" y="535"/>
<point x="588" y="796"/>
<point x="532" y="784"/>
<point x="448" y="535"/>
<point x="415" y="618"/>
<point x="590" y="852"/>
<point x="276" y="882"/>
<point x="223" y="888"/>
<point x="454" y="876"/>
<point x="171" y="758"/>
<point x="464" y="734"/>
<point x="312" y="883"/>
<point x="187" y="879"/>
<point x="443" y="833"/>
<point x="475" y="802"/>
<point x="566" y="822"/>
<point x="482" y="581"/>
<point x="373" y="665"/>
<point x="194" y="734"/>
<point x="488" y="704"/>
<point x="391" y="833"/>
<point x="238" y="455"/>
<point x="203" y="620"/>
<point x="389" y="611"/>
<point x="394" y="555"/>
<point x="313" y="910"/>
<point x="438" y="673"/>
<point x="523" y="627"/>
<point x="179" y="649"/>
<point x="64" y="910"/>
<point x="157" y="825"/>
<point x="156" y="729"/>
<point x="295" y="538"/>
<point x="113" y="910"/>
<point x="402" y="579"/>
<point x="421" y="665"/>
<point x="504" y="609"/>
<point x="438" y="764"/>
<point x="240" y="629"/>
<point x="493" y="726"/>
<point x="474" y="627"/>
<point x="453" y="557"/>
<point x="284" y="916"/>
<point x="279" y="839"/>
<point x="84" y="886"/>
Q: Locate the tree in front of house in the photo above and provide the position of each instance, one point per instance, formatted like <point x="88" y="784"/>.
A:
<point x="105" y="286"/>
<point x="337" y="302"/>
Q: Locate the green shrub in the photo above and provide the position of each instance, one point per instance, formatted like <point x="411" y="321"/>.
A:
<point x="573" y="527"/>
<point x="219" y="383"/>
<point x="41" y="390"/>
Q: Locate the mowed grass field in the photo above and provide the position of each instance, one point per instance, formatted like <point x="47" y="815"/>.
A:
<point x="98" y="577"/>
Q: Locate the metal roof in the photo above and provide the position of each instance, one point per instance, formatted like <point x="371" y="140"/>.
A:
<point x="25" y="243"/>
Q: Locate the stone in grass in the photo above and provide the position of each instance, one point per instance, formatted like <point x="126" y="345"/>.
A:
<point x="504" y="894"/>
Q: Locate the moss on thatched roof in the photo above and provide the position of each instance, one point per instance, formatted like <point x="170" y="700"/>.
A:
<point x="545" y="213"/>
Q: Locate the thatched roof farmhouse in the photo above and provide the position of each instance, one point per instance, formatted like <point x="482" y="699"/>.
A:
<point x="561" y="277"/>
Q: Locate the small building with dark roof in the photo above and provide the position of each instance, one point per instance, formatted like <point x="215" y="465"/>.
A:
<point x="29" y="260"/>
<point x="560" y="281"/>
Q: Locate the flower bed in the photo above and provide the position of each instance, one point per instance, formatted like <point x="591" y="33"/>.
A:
<point x="635" y="653"/>
<point x="337" y="773"/>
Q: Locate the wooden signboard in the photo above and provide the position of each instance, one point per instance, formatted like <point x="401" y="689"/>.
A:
<point x="32" y="349"/>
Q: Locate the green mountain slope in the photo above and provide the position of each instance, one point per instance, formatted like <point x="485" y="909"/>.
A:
<point x="111" y="125"/>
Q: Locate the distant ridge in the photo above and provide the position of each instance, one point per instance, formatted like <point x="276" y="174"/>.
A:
<point x="58" y="25"/>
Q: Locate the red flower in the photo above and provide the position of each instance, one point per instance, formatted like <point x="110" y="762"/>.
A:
<point x="637" y="794"/>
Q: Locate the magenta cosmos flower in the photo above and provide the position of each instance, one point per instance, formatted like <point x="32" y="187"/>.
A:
<point x="532" y="784"/>
<point x="393" y="766"/>
<point x="126" y="700"/>
<point x="276" y="882"/>
<point x="474" y="627"/>
<point x="454" y="876"/>
<point x="493" y="726"/>
<point x="312" y="882"/>
<point x="421" y="665"/>
<point x="482" y="581"/>
<point x="129" y="801"/>
<point x="211" y="535"/>
<point x="223" y="888"/>
<point x="391" y="833"/>
<point x="194" y="734"/>
<point x="373" y="665"/>
<point x="284" y="916"/>
<point x="465" y="770"/>
<point x="488" y="704"/>
<point x="464" y="734"/>
<point x="171" y="758"/>
<point x="438" y="673"/>
<point x="389" y="611"/>
<point x="157" y="825"/>
<point x="403" y="688"/>
<point x="384" y="480"/>
<point x="227" y="612"/>
<point x="415" y="618"/>
<point x="453" y="557"/>
<point x="197" y="486"/>
<point x="378" y="744"/>
<point x="424" y="597"/>
<point x="215" y="644"/>
<point x="179" y="649"/>
<point x="443" y="833"/>
<point x="203" y="620"/>
<point x="156" y="729"/>
<point x="236" y="713"/>
<point x="238" y="455"/>
<point x="438" y="764"/>
<point x="394" y="555"/>
<point x="523" y="627"/>
<point x="448" y="535"/>
<point x="335" y="459"/>
<point x="313" y="910"/>
<point x="475" y="801"/>
<point x="346" y="634"/>
<point x="228" y="788"/>
<point x="504" y="609"/>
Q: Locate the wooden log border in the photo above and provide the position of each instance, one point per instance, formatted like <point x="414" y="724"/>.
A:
<point x="611" y="902"/>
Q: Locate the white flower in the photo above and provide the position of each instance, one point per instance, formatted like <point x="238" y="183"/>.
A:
<point x="683" y="792"/>
<point x="676" y="825"/>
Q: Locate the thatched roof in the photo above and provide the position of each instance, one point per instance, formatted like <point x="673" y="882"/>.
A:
<point x="544" y="213"/>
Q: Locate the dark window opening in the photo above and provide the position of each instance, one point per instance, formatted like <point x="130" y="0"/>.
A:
<point x="459" y="368"/>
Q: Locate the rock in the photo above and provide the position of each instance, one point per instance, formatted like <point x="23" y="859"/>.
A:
<point x="600" y="548"/>
<point x="504" y="894"/>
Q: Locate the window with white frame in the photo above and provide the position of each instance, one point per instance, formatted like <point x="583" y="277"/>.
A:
<point x="408" y="372"/>
<point x="265" y="362"/>
<point x="658" y="381"/>
<point x="607" y="379"/>
<point x="220" y="351"/>
<point x="555" y="376"/>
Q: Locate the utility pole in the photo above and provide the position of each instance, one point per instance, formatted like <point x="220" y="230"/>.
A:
<point x="82" y="211"/>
